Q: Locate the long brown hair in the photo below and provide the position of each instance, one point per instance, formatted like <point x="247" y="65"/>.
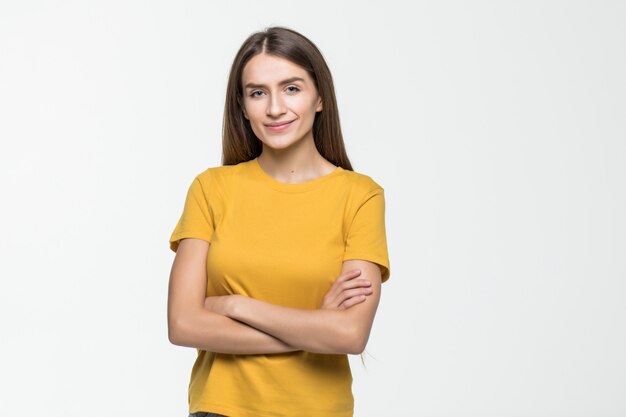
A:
<point x="239" y="142"/>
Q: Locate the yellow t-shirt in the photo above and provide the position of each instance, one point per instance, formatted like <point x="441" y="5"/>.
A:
<point x="281" y="243"/>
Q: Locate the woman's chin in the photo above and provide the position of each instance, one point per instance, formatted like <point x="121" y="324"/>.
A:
<point x="278" y="144"/>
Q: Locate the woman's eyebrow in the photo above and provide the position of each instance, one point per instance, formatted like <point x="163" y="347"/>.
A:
<point x="283" y="82"/>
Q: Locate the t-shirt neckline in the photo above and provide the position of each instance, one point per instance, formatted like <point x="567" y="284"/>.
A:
<point x="289" y="187"/>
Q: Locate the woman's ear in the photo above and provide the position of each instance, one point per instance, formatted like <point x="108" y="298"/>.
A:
<point x="319" y="104"/>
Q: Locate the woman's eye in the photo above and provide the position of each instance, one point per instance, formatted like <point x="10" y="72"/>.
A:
<point x="293" y="89"/>
<point x="254" y="93"/>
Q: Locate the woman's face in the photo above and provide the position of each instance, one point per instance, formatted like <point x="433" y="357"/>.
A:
<point x="280" y="100"/>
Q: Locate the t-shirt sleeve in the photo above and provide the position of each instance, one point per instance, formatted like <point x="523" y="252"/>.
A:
<point x="196" y="220"/>
<point x="367" y="237"/>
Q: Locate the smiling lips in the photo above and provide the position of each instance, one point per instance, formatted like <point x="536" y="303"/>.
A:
<point x="278" y="126"/>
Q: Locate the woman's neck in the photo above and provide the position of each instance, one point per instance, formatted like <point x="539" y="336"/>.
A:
<point x="294" y="165"/>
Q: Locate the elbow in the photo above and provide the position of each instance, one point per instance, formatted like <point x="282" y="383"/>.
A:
<point x="183" y="328"/>
<point x="181" y="325"/>
<point x="355" y="341"/>
<point x="175" y="332"/>
<point x="350" y="335"/>
<point x="356" y="347"/>
<point x="172" y="334"/>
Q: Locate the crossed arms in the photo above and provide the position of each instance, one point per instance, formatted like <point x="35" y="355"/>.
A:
<point x="242" y="325"/>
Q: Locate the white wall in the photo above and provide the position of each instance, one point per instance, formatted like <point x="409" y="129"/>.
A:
<point x="496" y="128"/>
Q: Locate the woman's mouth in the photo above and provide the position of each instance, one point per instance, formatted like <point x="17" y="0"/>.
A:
<point x="278" y="126"/>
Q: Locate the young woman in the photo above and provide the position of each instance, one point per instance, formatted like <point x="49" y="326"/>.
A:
<point x="281" y="251"/>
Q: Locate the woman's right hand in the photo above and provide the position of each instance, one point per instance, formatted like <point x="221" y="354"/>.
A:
<point x="347" y="290"/>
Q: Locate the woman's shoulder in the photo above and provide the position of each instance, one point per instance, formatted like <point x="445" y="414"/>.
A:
<point x="361" y="181"/>
<point x="220" y="173"/>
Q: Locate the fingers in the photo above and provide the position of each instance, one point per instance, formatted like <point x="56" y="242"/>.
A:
<point x="353" y="295"/>
<point x="347" y="290"/>
<point x="347" y="286"/>
<point x="343" y="282"/>
<point x="352" y="301"/>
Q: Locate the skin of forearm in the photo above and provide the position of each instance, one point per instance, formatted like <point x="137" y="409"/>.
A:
<point x="317" y="331"/>
<point x="214" y="332"/>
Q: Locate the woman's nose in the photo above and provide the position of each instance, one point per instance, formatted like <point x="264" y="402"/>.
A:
<point x="275" y="105"/>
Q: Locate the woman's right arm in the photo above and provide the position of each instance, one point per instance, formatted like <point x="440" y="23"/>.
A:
<point x="191" y="325"/>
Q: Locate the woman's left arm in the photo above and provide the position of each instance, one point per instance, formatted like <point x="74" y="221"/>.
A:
<point x="319" y="331"/>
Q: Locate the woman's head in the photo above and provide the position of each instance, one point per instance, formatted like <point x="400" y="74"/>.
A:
<point x="240" y="143"/>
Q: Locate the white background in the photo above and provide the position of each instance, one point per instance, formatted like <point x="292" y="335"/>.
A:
<point x="498" y="130"/>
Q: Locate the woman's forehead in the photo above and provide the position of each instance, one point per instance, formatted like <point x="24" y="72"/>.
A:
<point x="270" y="70"/>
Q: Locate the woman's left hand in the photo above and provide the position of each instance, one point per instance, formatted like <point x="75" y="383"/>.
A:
<point x="219" y="304"/>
